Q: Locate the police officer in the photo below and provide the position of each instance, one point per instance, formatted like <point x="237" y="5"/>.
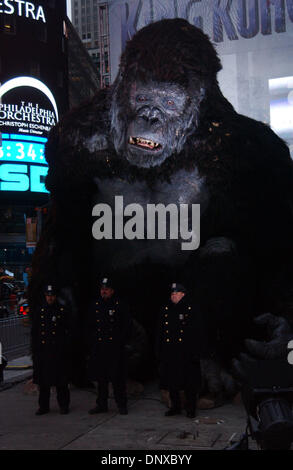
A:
<point x="108" y="328"/>
<point x="51" y="351"/>
<point x="179" y="345"/>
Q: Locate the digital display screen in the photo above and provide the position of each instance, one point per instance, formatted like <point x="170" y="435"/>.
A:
<point x="22" y="163"/>
<point x="28" y="111"/>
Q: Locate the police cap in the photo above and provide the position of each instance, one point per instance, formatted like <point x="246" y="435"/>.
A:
<point x="176" y="287"/>
<point x="50" y="290"/>
<point x="107" y="282"/>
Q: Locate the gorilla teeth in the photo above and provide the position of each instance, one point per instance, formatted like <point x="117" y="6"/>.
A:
<point x="143" y="142"/>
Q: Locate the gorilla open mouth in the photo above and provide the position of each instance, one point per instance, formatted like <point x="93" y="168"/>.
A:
<point x="145" y="144"/>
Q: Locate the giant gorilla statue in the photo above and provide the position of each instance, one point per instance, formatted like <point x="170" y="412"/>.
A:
<point x="164" y="133"/>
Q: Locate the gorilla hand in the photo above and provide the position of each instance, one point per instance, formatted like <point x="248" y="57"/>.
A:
<point x="279" y="334"/>
<point x="218" y="383"/>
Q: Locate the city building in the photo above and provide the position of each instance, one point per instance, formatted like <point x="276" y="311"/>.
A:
<point x="45" y="70"/>
<point x="84" y="80"/>
<point x="90" y="18"/>
<point x="33" y="97"/>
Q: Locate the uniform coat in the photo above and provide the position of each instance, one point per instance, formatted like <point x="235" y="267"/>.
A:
<point x="180" y="344"/>
<point x="51" y="345"/>
<point x="108" y="328"/>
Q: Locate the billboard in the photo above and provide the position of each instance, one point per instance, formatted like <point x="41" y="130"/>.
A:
<point x="28" y="111"/>
<point x="33" y="92"/>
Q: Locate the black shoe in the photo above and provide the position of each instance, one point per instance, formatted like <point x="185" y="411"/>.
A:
<point x="190" y="414"/>
<point x="64" y="411"/>
<point x="98" y="409"/>
<point x="42" y="411"/>
<point x="123" y="410"/>
<point x="173" y="411"/>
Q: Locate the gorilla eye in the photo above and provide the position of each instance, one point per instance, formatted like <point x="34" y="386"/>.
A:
<point x="170" y="102"/>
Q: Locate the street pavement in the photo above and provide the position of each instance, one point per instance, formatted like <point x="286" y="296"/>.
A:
<point x="144" y="428"/>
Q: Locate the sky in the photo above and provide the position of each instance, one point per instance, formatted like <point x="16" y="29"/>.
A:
<point x="68" y="2"/>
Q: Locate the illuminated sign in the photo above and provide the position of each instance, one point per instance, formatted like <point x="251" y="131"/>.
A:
<point x="28" y="111"/>
<point x="22" y="8"/>
<point x="22" y="163"/>
<point x="26" y="82"/>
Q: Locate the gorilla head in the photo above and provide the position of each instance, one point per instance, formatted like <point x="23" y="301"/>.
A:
<point x="165" y="73"/>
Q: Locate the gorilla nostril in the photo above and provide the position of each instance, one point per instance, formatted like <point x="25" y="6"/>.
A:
<point x="144" y="117"/>
<point x="154" y="120"/>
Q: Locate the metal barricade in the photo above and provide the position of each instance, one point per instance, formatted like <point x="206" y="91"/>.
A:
<point x="8" y="307"/>
<point x="14" y="336"/>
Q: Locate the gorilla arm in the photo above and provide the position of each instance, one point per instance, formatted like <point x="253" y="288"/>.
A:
<point x="75" y="146"/>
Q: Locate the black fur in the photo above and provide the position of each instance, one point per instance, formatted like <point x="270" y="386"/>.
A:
<point x="239" y="167"/>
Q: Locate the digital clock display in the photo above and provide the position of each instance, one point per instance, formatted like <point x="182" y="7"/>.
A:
<point x="30" y="150"/>
<point x="22" y="163"/>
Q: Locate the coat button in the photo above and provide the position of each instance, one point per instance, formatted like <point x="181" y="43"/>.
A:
<point x="166" y="323"/>
<point x="181" y="331"/>
<point x="167" y="340"/>
<point x="179" y="339"/>
<point x="100" y="339"/>
<point x="110" y="338"/>
<point x="167" y="331"/>
<point x="53" y="332"/>
<point x="43" y="342"/>
<point x="43" y="332"/>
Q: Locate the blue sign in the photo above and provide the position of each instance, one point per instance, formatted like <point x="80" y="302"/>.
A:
<point x="22" y="163"/>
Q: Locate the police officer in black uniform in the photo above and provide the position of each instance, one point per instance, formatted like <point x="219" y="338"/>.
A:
<point x="108" y="328"/>
<point x="51" y="351"/>
<point x="179" y="346"/>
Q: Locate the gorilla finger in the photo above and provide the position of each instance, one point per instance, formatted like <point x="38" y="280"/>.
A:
<point x="258" y="349"/>
<point x="266" y="319"/>
<point x="238" y="371"/>
<point x="245" y="358"/>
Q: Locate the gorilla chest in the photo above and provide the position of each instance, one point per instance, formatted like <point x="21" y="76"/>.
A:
<point x="136" y="222"/>
<point x="184" y="187"/>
